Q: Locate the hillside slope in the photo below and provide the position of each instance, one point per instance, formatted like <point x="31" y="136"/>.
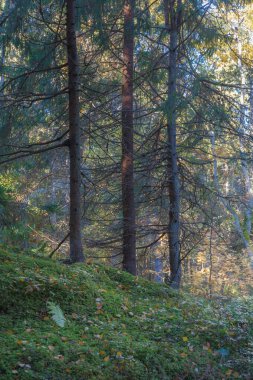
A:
<point x="117" y="327"/>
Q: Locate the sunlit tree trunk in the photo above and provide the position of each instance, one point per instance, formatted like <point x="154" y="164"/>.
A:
<point x="76" y="250"/>
<point x="172" y="12"/>
<point x="248" y="194"/>
<point x="251" y="99"/>
<point x="128" y="202"/>
<point x="158" y="268"/>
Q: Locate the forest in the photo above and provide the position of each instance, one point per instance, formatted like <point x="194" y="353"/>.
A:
<point x="126" y="189"/>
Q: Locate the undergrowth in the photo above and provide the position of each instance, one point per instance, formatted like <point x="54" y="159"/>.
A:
<point x="117" y="326"/>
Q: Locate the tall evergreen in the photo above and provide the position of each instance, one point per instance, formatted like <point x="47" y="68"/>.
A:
<point x="128" y="202"/>
<point x="172" y="15"/>
<point x="76" y="250"/>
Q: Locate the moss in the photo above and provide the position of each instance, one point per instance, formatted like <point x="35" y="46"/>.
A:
<point x="118" y="326"/>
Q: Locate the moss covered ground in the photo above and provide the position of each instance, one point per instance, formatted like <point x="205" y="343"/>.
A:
<point x="117" y="326"/>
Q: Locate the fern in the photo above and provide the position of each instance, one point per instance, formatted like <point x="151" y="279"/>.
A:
<point x="56" y="314"/>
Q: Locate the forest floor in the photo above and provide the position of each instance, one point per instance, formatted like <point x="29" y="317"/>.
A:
<point x="117" y="326"/>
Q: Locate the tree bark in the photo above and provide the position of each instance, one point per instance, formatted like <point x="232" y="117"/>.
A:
<point x="172" y="10"/>
<point x="76" y="250"/>
<point x="127" y="165"/>
<point x="248" y="196"/>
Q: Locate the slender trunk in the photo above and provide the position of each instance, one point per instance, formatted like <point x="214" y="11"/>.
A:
<point x="76" y="251"/>
<point x="53" y="192"/>
<point x="158" y="269"/>
<point x="2" y="59"/>
<point x="172" y="9"/>
<point x="251" y="99"/>
<point x="128" y="202"/>
<point x="4" y="130"/>
<point x="248" y="196"/>
<point x="210" y="279"/>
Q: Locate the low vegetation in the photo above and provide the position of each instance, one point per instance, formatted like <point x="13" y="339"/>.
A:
<point x="114" y="326"/>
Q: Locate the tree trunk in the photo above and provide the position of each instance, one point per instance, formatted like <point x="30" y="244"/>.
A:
<point x="128" y="202"/>
<point x="251" y="99"/>
<point x="76" y="250"/>
<point x="158" y="269"/>
<point x="172" y="10"/>
<point x="2" y="58"/>
<point x="248" y="195"/>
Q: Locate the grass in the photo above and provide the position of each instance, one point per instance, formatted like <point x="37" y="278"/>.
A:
<point x="118" y="326"/>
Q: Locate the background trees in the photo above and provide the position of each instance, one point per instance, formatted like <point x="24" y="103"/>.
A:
<point x="183" y="117"/>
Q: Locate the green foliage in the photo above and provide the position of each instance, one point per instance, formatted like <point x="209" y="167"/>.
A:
<point x="97" y="12"/>
<point x="41" y="248"/>
<point x="15" y="234"/>
<point x="16" y="11"/>
<point x="56" y="314"/>
<point x="4" y="196"/>
<point x="118" y="327"/>
<point x="50" y="207"/>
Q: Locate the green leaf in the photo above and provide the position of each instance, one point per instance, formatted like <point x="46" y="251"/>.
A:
<point x="56" y="314"/>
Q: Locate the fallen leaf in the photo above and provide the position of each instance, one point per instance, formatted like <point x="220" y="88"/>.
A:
<point x="9" y="332"/>
<point x="59" y="357"/>
<point x="20" y="342"/>
<point x="102" y="290"/>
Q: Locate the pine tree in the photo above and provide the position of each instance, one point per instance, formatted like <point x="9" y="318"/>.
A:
<point x="172" y="12"/>
<point x="76" y="250"/>
<point x="128" y="202"/>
